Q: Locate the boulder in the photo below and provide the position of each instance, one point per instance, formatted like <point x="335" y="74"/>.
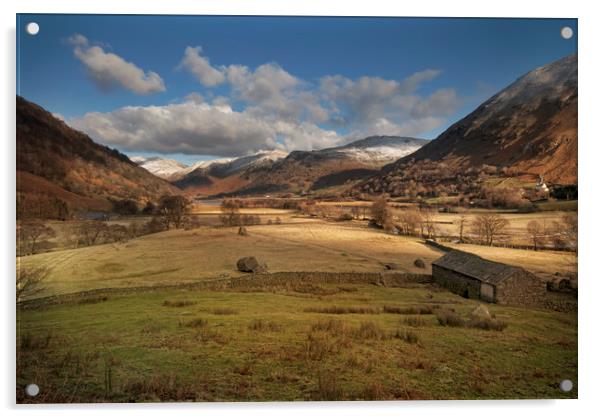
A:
<point x="419" y="262"/>
<point x="251" y="265"/>
<point x="480" y="312"/>
<point x="242" y="231"/>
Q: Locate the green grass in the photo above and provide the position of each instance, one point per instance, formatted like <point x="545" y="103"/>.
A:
<point x="258" y="346"/>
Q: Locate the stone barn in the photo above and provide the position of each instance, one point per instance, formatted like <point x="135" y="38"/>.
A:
<point x="474" y="277"/>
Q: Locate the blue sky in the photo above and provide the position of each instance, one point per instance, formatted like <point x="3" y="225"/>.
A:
<point x="140" y="84"/>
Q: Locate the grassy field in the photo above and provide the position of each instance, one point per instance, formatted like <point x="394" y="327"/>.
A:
<point x="299" y="244"/>
<point x="272" y="344"/>
<point x="301" y="341"/>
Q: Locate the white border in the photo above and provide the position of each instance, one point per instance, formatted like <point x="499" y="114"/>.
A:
<point x="590" y="153"/>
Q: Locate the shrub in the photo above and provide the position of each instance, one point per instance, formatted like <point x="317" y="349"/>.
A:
<point x="448" y="318"/>
<point x="408" y="310"/>
<point x="340" y="310"/>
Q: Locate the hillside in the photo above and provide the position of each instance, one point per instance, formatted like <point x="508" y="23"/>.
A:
<point x="526" y="130"/>
<point x="224" y="175"/>
<point x="57" y="165"/>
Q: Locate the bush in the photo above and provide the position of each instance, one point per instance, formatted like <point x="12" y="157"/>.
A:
<point x="408" y="310"/>
<point x="340" y="310"/>
<point x="448" y="318"/>
<point x="125" y="207"/>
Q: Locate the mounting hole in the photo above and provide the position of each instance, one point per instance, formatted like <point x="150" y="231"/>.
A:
<point x="566" y="32"/>
<point x="566" y="385"/>
<point x="32" y="28"/>
<point x="32" y="389"/>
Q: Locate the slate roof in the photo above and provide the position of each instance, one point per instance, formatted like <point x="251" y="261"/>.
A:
<point x="476" y="267"/>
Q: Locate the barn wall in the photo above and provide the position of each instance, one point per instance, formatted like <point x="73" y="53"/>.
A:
<point x="456" y="282"/>
<point x="522" y="288"/>
<point x="487" y="292"/>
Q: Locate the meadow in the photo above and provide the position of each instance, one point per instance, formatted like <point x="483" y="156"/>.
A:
<point x="298" y="244"/>
<point x="318" y="342"/>
<point x="167" y="317"/>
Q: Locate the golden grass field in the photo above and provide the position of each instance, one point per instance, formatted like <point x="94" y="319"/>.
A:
<point x="298" y="244"/>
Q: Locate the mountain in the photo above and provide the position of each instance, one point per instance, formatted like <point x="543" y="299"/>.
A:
<point x="225" y="175"/>
<point x="300" y="170"/>
<point x="160" y="167"/>
<point x="376" y="150"/>
<point x="59" y="167"/>
<point x="526" y="130"/>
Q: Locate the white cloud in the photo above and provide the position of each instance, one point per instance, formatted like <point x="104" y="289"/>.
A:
<point x="199" y="128"/>
<point x="269" y="108"/>
<point x="201" y="68"/>
<point x="411" y="84"/>
<point x="376" y="106"/>
<point x="107" y="69"/>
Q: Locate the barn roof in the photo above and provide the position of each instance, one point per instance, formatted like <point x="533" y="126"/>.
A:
<point x="476" y="267"/>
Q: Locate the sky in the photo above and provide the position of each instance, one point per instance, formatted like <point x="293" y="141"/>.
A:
<point x="200" y="87"/>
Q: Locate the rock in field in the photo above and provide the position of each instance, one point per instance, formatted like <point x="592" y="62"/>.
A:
<point x="419" y="262"/>
<point x="251" y="265"/>
<point x="242" y="231"/>
<point x="480" y="312"/>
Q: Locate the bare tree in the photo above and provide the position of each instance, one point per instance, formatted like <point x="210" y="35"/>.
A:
<point x="230" y="212"/>
<point x="29" y="281"/>
<point x="31" y="234"/>
<point x="537" y="233"/>
<point x="117" y="233"/>
<point x="462" y="223"/>
<point x="569" y="227"/>
<point x="488" y="227"/>
<point x="173" y="209"/>
<point x="410" y="220"/>
<point x="380" y="211"/>
<point x="427" y="224"/>
<point x="90" y="232"/>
